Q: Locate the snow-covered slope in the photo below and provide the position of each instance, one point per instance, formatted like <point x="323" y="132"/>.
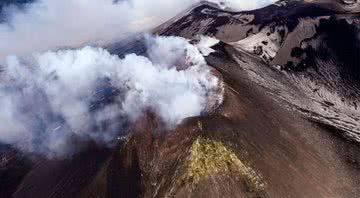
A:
<point x="314" y="46"/>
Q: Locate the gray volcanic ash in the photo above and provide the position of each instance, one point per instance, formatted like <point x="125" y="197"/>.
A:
<point x="313" y="45"/>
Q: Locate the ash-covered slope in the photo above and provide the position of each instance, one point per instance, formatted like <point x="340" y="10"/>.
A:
<point x="314" y="45"/>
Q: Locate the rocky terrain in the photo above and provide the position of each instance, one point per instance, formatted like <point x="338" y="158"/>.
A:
<point x="288" y="126"/>
<point x="305" y="42"/>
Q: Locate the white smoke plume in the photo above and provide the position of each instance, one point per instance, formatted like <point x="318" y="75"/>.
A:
<point x="51" y="99"/>
<point x="52" y="24"/>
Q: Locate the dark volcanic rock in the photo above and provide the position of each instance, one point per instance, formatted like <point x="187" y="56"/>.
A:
<point x="315" y="44"/>
<point x="13" y="167"/>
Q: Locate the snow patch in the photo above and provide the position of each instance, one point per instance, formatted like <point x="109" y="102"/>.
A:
<point x="205" y="45"/>
<point x="264" y="44"/>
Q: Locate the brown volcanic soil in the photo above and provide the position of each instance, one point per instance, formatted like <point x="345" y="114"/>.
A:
<point x="294" y="157"/>
<point x="62" y="178"/>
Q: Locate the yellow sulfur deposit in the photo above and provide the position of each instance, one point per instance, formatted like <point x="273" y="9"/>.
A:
<point x="210" y="158"/>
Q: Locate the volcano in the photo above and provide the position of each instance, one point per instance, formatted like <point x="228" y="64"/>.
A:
<point x="288" y="126"/>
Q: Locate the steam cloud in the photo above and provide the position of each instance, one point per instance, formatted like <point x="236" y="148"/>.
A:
<point x="49" y="100"/>
<point x="51" y="24"/>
